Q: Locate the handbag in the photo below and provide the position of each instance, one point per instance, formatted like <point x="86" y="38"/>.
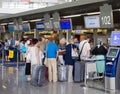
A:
<point x="74" y="52"/>
<point x="46" y="62"/>
<point x="46" y="59"/>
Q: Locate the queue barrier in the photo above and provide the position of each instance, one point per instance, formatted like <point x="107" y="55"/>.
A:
<point x="12" y="64"/>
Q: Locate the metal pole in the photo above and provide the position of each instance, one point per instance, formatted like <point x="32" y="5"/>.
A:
<point x="2" y="64"/>
<point x="85" y="76"/>
<point x="17" y="67"/>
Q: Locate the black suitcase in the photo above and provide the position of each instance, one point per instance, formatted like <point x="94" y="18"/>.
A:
<point x="38" y="75"/>
<point x="79" y="70"/>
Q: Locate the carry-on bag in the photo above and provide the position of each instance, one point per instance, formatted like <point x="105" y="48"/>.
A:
<point x="38" y="75"/>
<point x="41" y="77"/>
<point x="62" y="73"/>
<point x="79" y="69"/>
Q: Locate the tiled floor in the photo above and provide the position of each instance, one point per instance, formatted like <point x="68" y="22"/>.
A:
<point x="8" y="86"/>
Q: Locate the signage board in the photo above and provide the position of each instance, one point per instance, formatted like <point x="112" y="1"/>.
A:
<point x="115" y="38"/>
<point x="78" y="32"/>
<point x="65" y="24"/>
<point x="92" y="21"/>
<point x="40" y="26"/>
<point x="26" y="27"/>
<point x="11" y="28"/>
<point x="106" y="16"/>
<point x="2" y="28"/>
<point x="47" y="22"/>
<point x="56" y="19"/>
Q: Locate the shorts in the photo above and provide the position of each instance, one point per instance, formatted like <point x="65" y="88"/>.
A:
<point x="6" y="52"/>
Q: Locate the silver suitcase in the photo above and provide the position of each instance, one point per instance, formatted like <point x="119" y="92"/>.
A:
<point x="62" y="73"/>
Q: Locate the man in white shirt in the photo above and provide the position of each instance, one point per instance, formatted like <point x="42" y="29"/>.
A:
<point x="84" y="48"/>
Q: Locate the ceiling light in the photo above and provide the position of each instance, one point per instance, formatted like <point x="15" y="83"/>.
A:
<point x="35" y="20"/>
<point x="25" y="21"/>
<point x="71" y="16"/>
<point x="93" y="13"/>
<point x="4" y="24"/>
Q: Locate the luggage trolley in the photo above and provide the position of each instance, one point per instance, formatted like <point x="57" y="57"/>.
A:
<point x="13" y="62"/>
<point x="92" y="69"/>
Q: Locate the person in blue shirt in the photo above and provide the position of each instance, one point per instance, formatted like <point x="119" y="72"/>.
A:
<point x="51" y="50"/>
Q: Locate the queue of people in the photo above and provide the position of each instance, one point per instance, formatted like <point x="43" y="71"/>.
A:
<point x="48" y="53"/>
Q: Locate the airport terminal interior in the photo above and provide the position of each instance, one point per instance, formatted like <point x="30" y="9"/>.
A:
<point x="59" y="29"/>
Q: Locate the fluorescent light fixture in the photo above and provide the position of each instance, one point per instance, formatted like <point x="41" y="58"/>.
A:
<point x="71" y="16"/>
<point x="24" y="21"/>
<point x="77" y="15"/>
<point x="93" y="13"/>
<point x="4" y="23"/>
<point x="35" y="20"/>
<point x="11" y="23"/>
<point x="116" y="10"/>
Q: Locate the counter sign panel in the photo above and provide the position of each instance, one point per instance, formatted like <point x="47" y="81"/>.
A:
<point x="92" y="21"/>
<point x="106" y="16"/>
<point x="40" y="26"/>
<point x="65" y="24"/>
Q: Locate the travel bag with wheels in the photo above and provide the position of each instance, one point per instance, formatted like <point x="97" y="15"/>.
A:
<point x="79" y="69"/>
<point x="62" y="73"/>
<point x="38" y="75"/>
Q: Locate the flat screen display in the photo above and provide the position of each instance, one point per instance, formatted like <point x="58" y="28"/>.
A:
<point x="26" y="27"/>
<point x="113" y="52"/>
<point x="92" y="21"/>
<point x="65" y="24"/>
<point x="2" y="28"/>
<point x="11" y="28"/>
<point x="40" y="26"/>
<point x="115" y="38"/>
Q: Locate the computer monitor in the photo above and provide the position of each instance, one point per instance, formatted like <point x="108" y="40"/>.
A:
<point x="26" y="27"/>
<point x="113" y="52"/>
<point x="115" y="38"/>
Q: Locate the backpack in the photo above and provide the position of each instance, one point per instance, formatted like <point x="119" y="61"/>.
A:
<point x="23" y="49"/>
<point x="12" y="42"/>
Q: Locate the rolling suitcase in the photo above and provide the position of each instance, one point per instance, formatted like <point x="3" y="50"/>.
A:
<point x="41" y="77"/>
<point x="62" y="73"/>
<point x="78" y="71"/>
<point x="38" y="75"/>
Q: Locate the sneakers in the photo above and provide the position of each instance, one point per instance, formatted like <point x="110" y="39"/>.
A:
<point x="28" y="78"/>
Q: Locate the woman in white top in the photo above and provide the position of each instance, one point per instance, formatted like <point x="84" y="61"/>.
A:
<point x="28" y="60"/>
<point x="35" y="53"/>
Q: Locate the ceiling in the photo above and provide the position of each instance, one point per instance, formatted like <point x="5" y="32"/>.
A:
<point x="78" y="7"/>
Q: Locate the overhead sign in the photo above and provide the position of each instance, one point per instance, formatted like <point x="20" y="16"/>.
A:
<point x="26" y="27"/>
<point x="106" y="16"/>
<point x="2" y="28"/>
<point x="40" y="26"/>
<point x="78" y="32"/>
<point x="92" y="21"/>
<point x="115" y="38"/>
<point x="11" y="28"/>
<point x="65" y="24"/>
<point x="47" y="22"/>
<point x="56" y="19"/>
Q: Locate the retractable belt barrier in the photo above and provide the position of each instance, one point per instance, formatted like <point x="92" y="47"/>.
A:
<point x="11" y="63"/>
